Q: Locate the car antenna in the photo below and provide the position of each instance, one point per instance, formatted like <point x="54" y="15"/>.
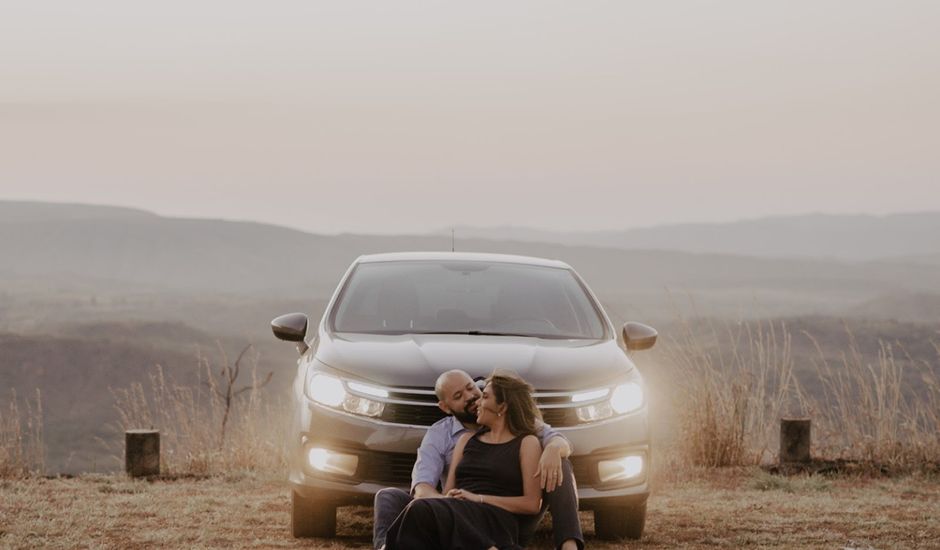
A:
<point x="452" y="240"/>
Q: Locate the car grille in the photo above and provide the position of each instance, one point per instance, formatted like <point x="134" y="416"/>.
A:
<point x="414" y="415"/>
<point x="386" y="468"/>
<point x="394" y="469"/>
<point x="418" y="407"/>
<point x="425" y="415"/>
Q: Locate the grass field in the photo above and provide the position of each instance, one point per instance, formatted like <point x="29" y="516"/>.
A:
<point x="717" y="508"/>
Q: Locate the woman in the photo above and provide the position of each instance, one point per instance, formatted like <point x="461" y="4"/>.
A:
<point x="491" y="479"/>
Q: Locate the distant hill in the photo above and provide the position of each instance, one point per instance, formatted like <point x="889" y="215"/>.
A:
<point x="31" y="211"/>
<point x="148" y="252"/>
<point x="846" y="237"/>
<point x="918" y="307"/>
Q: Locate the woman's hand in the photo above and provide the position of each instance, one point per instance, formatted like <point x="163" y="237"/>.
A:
<point x="549" y="471"/>
<point x="463" y="494"/>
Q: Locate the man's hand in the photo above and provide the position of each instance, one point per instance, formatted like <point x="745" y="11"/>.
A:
<point x="549" y="471"/>
<point x="424" y="490"/>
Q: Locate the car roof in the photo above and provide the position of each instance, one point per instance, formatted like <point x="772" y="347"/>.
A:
<point x="460" y="256"/>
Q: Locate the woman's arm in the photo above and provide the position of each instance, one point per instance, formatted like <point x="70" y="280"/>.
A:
<point x="531" y="500"/>
<point x="458" y="455"/>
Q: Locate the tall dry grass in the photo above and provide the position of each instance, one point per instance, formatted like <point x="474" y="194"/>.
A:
<point x="736" y="381"/>
<point x="886" y="411"/>
<point x="22" y="452"/>
<point x="210" y="427"/>
<point x="732" y="383"/>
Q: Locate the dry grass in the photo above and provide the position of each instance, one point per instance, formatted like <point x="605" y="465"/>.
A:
<point x="729" y="398"/>
<point x="21" y="442"/>
<point x="212" y="427"/>
<point x="724" y="508"/>
<point x="732" y="384"/>
<point x="877" y="411"/>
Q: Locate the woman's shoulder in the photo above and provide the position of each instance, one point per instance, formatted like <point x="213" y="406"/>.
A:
<point x="529" y="440"/>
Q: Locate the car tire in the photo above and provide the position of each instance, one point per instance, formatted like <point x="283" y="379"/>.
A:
<point x="620" y="522"/>
<point x="310" y="517"/>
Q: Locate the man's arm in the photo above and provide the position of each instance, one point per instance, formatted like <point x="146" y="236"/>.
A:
<point x="424" y="490"/>
<point x="429" y="467"/>
<point x="458" y="456"/>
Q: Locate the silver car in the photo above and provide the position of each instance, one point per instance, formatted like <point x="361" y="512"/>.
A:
<point x="363" y="393"/>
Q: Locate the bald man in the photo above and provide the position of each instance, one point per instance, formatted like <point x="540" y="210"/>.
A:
<point x="457" y="396"/>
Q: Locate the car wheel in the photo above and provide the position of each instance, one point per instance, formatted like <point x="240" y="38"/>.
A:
<point x="620" y="522"/>
<point x="311" y="517"/>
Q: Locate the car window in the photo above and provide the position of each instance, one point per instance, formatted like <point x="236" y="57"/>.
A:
<point x="466" y="297"/>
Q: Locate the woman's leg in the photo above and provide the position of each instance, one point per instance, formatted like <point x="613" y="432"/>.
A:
<point x="416" y="527"/>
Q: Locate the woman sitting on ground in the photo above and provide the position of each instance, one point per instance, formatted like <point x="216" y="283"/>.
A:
<point x="491" y="479"/>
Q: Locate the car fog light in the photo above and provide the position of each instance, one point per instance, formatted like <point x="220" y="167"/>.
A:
<point x="621" y="469"/>
<point x="360" y="405"/>
<point x="595" y="412"/>
<point x="332" y="462"/>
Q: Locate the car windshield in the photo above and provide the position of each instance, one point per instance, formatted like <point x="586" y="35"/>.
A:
<point x="473" y="297"/>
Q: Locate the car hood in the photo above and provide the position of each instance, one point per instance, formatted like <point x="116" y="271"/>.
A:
<point x="416" y="360"/>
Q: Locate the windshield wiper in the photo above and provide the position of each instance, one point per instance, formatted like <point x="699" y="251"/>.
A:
<point x="476" y="333"/>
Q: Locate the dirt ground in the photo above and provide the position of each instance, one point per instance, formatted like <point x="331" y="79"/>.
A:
<point x="716" y="509"/>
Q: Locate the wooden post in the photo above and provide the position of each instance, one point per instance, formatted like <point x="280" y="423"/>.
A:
<point x="794" y="440"/>
<point x="142" y="452"/>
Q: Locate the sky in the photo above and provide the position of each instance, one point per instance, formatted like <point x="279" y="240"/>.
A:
<point x="397" y="117"/>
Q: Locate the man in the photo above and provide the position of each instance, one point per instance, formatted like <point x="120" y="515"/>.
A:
<point x="457" y="396"/>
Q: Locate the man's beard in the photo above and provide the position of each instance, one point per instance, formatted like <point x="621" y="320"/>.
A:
<point x="465" y="416"/>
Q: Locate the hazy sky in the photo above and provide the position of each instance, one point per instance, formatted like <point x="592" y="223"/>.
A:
<point x="411" y="116"/>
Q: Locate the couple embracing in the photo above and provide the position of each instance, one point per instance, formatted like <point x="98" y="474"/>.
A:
<point x="499" y="465"/>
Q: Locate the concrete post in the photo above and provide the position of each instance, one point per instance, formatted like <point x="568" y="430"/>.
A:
<point x="794" y="440"/>
<point x="142" y="453"/>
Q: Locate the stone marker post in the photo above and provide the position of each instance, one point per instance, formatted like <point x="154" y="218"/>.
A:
<point x="142" y="453"/>
<point x="794" y="440"/>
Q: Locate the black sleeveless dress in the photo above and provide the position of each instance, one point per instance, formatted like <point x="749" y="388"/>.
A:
<point x="449" y="523"/>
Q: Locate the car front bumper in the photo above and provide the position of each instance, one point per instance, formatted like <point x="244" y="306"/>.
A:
<point x="385" y="454"/>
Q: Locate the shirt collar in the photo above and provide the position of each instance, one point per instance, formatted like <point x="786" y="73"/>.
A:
<point x="455" y="425"/>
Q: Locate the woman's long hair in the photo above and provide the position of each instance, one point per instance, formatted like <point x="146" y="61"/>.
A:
<point x="523" y="416"/>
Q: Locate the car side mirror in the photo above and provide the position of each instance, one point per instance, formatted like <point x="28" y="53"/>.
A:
<point x="291" y="327"/>
<point x="637" y="336"/>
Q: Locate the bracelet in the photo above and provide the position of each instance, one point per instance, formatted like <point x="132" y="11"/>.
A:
<point x="481" y="499"/>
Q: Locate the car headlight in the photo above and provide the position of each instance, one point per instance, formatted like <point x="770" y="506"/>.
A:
<point x="626" y="398"/>
<point x="326" y="390"/>
<point x="329" y="390"/>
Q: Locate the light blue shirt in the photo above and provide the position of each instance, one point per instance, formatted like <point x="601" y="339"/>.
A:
<point x="437" y="450"/>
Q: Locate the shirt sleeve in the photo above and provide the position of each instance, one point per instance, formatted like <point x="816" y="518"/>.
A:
<point x="431" y="459"/>
<point x="546" y="433"/>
